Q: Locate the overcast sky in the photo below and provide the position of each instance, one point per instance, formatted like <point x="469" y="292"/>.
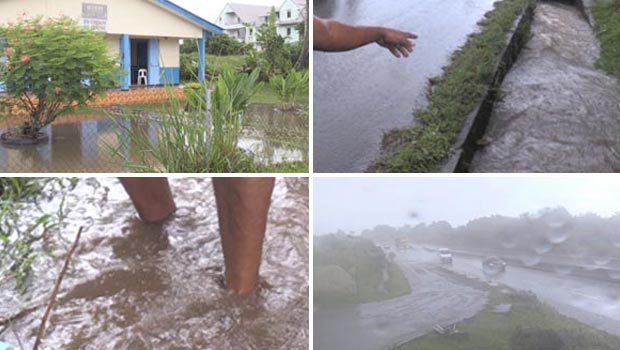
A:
<point x="354" y="204"/>
<point x="210" y="9"/>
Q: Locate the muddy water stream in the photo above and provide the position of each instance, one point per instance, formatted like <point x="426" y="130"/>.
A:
<point x="139" y="286"/>
<point x="358" y="95"/>
<point x="558" y="113"/>
<point x="85" y="146"/>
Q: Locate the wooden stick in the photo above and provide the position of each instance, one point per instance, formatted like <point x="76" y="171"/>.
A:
<point x="50" y="306"/>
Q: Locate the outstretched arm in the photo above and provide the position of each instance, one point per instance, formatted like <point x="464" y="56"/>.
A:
<point x="331" y="35"/>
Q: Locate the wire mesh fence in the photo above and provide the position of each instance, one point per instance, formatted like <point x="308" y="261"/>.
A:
<point x="86" y="142"/>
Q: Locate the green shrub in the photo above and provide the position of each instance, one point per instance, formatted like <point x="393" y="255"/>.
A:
<point x="290" y="87"/>
<point x="224" y="45"/>
<point x="52" y="65"/>
<point x="363" y="262"/>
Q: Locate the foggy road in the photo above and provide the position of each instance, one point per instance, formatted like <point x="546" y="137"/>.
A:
<point x="436" y="300"/>
<point x="381" y="325"/>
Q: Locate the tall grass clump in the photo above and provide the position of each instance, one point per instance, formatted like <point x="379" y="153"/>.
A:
<point x="289" y="87"/>
<point x="200" y="135"/>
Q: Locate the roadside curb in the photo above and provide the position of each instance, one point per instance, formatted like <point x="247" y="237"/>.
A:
<point x="476" y="122"/>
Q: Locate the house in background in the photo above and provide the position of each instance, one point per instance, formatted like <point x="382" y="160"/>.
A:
<point x="290" y="14"/>
<point x="145" y="34"/>
<point x="241" y="21"/>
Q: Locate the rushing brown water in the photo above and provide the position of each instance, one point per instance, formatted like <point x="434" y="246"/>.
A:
<point x="139" y="286"/>
<point x="557" y="113"/>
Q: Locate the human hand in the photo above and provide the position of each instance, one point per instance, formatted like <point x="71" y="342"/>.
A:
<point x="398" y="42"/>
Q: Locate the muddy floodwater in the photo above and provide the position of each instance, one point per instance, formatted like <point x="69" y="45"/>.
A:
<point x="138" y="286"/>
<point x="382" y="325"/>
<point x="86" y="146"/>
<point x="557" y="112"/>
<point x="358" y="95"/>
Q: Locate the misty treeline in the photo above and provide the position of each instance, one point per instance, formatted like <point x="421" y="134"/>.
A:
<point x="552" y="229"/>
<point x="350" y="269"/>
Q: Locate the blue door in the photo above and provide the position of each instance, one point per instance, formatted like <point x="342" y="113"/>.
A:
<point x="153" y="62"/>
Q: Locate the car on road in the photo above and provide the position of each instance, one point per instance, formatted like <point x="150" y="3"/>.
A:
<point x="494" y="264"/>
<point x="445" y="256"/>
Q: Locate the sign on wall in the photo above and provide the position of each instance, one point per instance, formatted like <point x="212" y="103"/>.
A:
<point x="95" y="16"/>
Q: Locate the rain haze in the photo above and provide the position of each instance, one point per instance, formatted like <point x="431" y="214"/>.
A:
<point x="209" y="10"/>
<point x="355" y="204"/>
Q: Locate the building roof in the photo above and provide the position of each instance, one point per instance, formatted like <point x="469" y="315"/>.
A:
<point x="190" y="15"/>
<point x="301" y="3"/>
<point x="250" y="13"/>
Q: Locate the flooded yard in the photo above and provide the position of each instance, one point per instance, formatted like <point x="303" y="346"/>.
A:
<point x="272" y="135"/>
<point x="134" y="285"/>
<point x="361" y="94"/>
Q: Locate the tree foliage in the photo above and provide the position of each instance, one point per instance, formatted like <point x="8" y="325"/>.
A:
<point x="274" y="56"/>
<point x="52" y="66"/>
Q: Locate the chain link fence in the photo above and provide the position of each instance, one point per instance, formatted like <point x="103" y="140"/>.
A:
<point x="86" y="143"/>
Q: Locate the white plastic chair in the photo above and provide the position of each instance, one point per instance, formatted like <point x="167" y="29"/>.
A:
<point x="142" y="77"/>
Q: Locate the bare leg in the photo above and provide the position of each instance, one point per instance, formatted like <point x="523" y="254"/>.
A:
<point x="242" y="206"/>
<point x="151" y="197"/>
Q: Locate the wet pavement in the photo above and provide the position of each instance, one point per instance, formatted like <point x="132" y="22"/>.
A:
<point x="381" y="325"/>
<point x="138" y="286"/>
<point x="592" y="302"/>
<point x="361" y="94"/>
<point x="86" y="146"/>
<point x="557" y="112"/>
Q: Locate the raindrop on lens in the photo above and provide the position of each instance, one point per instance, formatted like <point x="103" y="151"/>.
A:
<point x="542" y="246"/>
<point x="601" y="260"/>
<point x="614" y="274"/>
<point x="509" y="241"/>
<point x="558" y="236"/>
<point x="530" y="260"/>
<point x="492" y="271"/>
<point x="563" y="269"/>
<point x="555" y="223"/>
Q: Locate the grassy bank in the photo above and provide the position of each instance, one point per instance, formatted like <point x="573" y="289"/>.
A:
<point x="607" y="17"/>
<point x="530" y="325"/>
<point x="452" y="97"/>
